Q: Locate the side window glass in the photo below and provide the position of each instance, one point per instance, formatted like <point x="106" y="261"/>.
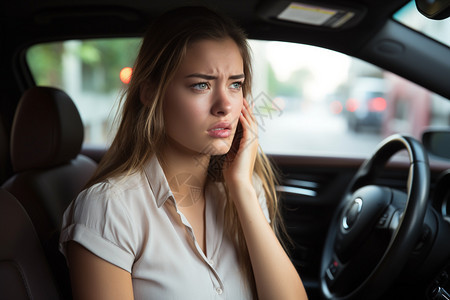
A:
<point x="92" y="72"/>
<point x="308" y="100"/>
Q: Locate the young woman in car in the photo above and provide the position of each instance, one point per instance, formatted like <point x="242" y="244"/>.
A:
<point x="183" y="205"/>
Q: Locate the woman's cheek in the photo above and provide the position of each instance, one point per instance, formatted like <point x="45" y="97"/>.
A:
<point x="239" y="107"/>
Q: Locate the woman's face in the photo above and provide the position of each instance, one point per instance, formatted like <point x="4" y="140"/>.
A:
<point x="204" y="100"/>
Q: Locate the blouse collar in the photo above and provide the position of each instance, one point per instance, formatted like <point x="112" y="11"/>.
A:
<point x="157" y="180"/>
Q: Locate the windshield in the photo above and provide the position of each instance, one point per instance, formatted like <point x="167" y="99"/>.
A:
<point x="435" y="29"/>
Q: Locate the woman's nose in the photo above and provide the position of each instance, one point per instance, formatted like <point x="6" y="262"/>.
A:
<point x="222" y="104"/>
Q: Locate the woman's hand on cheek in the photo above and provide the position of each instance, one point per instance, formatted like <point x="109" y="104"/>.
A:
<point x="238" y="168"/>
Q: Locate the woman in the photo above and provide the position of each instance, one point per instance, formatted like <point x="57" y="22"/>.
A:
<point x="183" y="205"/>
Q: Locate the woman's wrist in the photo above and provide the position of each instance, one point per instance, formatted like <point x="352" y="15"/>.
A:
<point x="243" y="185"/>
<point x="242" y="192"/>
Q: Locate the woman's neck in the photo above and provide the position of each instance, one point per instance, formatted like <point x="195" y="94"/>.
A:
<point x="186" y="173"/>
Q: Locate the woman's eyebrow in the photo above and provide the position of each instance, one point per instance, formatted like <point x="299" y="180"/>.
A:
<point x="240" y="76"/>
<point x="210" y="77"/>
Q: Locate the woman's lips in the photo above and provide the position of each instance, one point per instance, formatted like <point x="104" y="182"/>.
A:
<point x="220" y="130"/>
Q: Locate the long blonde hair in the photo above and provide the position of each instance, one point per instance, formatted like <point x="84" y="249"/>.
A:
<point x="141" y="133"/>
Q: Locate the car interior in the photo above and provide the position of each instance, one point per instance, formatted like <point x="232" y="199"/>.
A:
<point x="369" y="226"/>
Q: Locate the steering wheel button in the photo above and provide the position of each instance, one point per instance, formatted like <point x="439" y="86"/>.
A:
<point x="330" y="275"/>
<point x="352" y="213"/>
<point x="382" y="220"/>
<point x="333" y="269"/>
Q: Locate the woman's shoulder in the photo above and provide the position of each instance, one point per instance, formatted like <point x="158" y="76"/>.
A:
<point x="118" y="193"/>
<point x="100" y="218"/>
<point x="101" y="200"/>
<point x="117" y="185"/>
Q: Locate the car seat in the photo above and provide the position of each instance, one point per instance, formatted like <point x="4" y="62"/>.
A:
<point x="49" y="171"/>
<point x="5" y="162"/>
<point x="24" y="272"/>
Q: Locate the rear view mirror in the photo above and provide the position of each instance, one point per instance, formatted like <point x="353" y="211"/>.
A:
<point x="437" y="142"/>
<point x="434" y="9"/>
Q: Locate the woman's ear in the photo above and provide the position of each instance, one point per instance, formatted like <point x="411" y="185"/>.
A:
<point x="146" y="94"/>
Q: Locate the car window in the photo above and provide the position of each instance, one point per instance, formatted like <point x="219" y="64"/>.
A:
<point x="92" y="72"/>
<point x="307" y="100"/>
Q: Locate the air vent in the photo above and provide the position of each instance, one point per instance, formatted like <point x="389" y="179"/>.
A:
<point x="304" y="185"/>
<point x="299" y="187"/>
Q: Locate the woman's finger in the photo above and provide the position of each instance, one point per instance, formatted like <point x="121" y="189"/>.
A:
<point x="250" y="127"/>
<point x="249" y="109"/>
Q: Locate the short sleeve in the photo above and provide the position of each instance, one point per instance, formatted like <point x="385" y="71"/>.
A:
<point x="99" y="221"/>
<point x="260" y="193"/>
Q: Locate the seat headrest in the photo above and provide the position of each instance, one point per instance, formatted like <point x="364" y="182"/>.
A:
<point x="47" y="130"/>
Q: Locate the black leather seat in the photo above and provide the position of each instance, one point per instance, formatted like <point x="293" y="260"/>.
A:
<point x="24" y="272"/>
<point x="49" y="170"/>
<point x="5" y="161"/>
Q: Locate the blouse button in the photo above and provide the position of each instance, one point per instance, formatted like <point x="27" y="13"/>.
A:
<point x="219" y="291"/>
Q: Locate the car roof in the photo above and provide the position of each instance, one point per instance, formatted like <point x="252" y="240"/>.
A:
<point x="376" y="38"/>
<point x="60" y="19"/>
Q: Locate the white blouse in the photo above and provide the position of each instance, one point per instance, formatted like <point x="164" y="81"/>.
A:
<point x="133" y="222"/>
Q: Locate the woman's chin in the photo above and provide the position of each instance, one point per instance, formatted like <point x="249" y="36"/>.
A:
<point x="218" y="152"/>
<point x="219" y="149"/>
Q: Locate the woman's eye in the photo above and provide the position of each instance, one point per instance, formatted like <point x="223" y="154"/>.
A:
<point x="236" y="85"/>
<point x="200" y="86"/>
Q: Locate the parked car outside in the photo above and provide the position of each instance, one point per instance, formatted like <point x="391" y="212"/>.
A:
<point x="366" y="105"/>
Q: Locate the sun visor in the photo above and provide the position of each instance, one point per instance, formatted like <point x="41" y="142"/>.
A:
<point x="314" y="14"/>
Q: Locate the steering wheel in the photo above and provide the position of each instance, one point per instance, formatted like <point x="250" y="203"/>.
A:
<point x="374" y="227"/>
